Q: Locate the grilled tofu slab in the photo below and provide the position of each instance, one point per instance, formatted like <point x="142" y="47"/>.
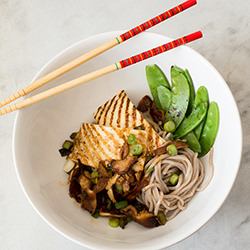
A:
<point x="120" y="112"/>
<point x="95" y="143"/>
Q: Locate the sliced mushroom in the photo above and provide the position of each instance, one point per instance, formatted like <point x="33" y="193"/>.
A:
<point x="125" y="150"/>
<point x="122" y="166"/>
<point x="157" y="115"/>
<point x="145" y="218"/>
<point x="103" y="170"/>
<point x="131" y="195"/>
<point x="125" y="186"/>
<point x="138" y="176"/>
<point x="163" y="149"/>
<point x="84" y="182"/>
<point x="109" y="186"/>
<point x="108" y="214"/>
<point x="89" y="201"/>
<point x="75" y="190"/>
<point x="101" y="184"/>
<point x="144" y="104"/>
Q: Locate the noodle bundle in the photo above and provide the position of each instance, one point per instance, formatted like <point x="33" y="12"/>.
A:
<point x="160" y="195"/>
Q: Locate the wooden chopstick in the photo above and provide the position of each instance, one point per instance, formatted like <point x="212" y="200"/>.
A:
<point x="93" y="53"/>
<point x="103" y="71"/>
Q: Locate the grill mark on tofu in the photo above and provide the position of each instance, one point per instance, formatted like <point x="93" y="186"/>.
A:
<point x="81" y="154"/>
<point x="101" y="143"/>
<point x="112" y="111"/>
<point x="99" y="112"/>
<point x="86" y="148"/>
<point x="118" y="121"/>
<point x="134" y="116"/>
<point x="105" y="113"/>
<point x="96" y="149"/>
<point x="127" y="113"/>
<point x="116" y="143"/>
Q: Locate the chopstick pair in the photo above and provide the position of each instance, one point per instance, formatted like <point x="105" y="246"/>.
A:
<point x="103" y="71"/>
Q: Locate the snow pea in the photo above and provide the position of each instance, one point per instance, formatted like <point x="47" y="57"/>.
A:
<point x="210" y="129"/>
<point x="165" y="97"/>
<point x="191" y="88"/>
<point x="198" y="129"/>
<point x="156" y="78"/>
<point x="180" y="97"/>
<point x="192" y="142"/>
<point x="192" y="92"/>
<point x="201" y="96"/>
<point x="192" y="121"/>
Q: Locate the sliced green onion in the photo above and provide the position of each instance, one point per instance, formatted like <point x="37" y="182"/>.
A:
<point x="95" y="180"/>
<point x="68" y="166"/>
<point x="161" y="218"/>
<point x="109" y="204"/>
<point x="94" y="177"/>
<point x="174" y="179"/>
<point x="95" y="214"/>
<point x="118" y="187"/>
<point x="73" y="135"/>
<point x="149" y="170"/>
<point x="131" y="139"/>
<point x="114" y="222"/>
<point x="67" y="145"/>
<point x="172" y="150"/>
<point x="121" y="204"/>
<point x="140" y="127"/>
<point x="169" y="126"/>
<point x="64" y="152"/>
<point x="94" y="174"/>
<point x="136" y="149"/>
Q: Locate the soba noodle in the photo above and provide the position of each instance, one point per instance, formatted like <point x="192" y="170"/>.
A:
<point x="160" y="195"/>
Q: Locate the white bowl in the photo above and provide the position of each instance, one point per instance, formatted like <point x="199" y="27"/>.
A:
<point x="41" y="128"/>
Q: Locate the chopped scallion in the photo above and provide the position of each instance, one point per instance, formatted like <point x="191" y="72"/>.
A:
<point x="136" y="149"/>
<point x="67" y="145"/>
<point x="114" y="222"/>
<point x="131" y="139"/>
<point x="169" y="126"/>
<point x="149" y="170"/>
<point x="73" y="135"/>
<point x="172" y="150"/>
<point x="174" y="179"/>
<point x="121" y="204"/>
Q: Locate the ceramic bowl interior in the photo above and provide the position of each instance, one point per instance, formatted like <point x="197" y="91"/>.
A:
<point x="41" y="128"/>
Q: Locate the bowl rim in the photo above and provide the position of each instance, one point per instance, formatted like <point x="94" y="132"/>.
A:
<point x="97" y="246"/>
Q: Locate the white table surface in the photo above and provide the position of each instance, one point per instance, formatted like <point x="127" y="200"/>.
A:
<point x="32" y="32"/>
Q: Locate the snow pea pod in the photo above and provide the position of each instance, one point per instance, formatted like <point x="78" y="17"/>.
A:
<point x="210" y="129"/>
<point x="192" y="121"/>
<point x="165" y="97"/>
<point x="198" y="129"/>
<point x="191" y="88"/>
<point x="155" y="78"/>
<point x="192" y="92"/>
<point x="201" y="96"/>
<point x="192" y="142"/>
<point x="180" y="97"/>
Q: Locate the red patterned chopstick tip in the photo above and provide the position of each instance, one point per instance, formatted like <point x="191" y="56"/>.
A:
<point x="158" y="19"/>
<point x="158" y="50"/>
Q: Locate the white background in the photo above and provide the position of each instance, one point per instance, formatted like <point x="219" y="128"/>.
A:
<point x="32" y="32"/>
